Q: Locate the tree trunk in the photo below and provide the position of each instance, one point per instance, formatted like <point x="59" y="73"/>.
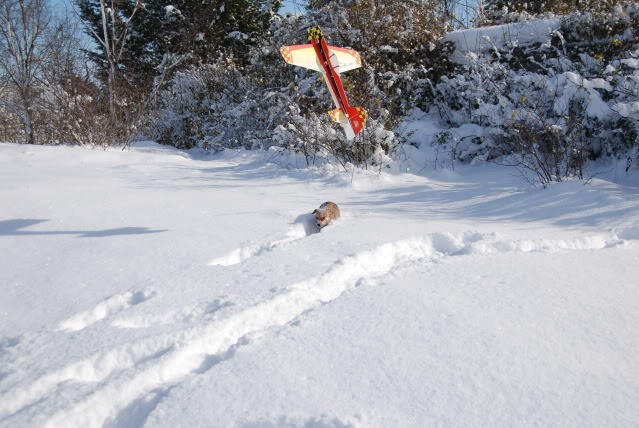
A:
<point x="27" y="116"/>
<point x="112" y="89"/>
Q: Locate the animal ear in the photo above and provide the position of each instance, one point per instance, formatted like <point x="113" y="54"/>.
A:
<point x="315" y="212"/>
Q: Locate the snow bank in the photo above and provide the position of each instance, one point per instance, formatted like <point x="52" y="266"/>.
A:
<point x="483" y="39"/>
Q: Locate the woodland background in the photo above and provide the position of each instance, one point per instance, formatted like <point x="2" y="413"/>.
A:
<point x="208" y="75"/>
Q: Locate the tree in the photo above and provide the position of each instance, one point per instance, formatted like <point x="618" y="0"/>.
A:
<point x="135" y="39"/>
<point x="205" y="30"/>
<point x="27" y="38"/>
<point x="109" y="23"/>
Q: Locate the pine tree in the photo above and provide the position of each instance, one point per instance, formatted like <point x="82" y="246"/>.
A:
<point x="120" y="52"/>
<point x="197" y="31"/>
<point x="204" y="29"/>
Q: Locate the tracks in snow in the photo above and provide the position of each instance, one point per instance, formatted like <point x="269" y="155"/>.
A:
<point x="106" y="308"/>
<point x="137" y="373"/>
<point x="238" y="255"/>
<point x="303" y="226"/>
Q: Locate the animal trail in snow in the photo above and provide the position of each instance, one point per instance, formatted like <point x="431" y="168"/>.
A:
<point x="108" y="307"/>
<point x="188" y="314"/>
<point x="137" y="369"/>
<point x="304" y="225"/>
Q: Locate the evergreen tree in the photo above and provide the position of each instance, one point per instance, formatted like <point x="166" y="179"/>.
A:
<point x="112" y="24"/>
<point x="205" y="29"/>
<point x="197" y="31"/>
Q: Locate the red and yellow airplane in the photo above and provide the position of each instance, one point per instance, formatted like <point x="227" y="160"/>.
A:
<point x="330" y="61"/>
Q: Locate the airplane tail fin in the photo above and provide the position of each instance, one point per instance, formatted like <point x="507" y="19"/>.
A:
<point x="353" y="124"/>
<point x="357" y="118"/>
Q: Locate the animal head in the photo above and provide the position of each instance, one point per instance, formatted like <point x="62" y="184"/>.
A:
<point x="321" y="218"/>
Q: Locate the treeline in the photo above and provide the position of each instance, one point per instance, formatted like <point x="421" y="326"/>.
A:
<point x="208" y="74"/>
<point x="57" y="86"/>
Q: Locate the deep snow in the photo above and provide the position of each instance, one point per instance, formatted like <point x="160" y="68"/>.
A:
<point x="150" y="288"/>
<point x="470" y="42"/>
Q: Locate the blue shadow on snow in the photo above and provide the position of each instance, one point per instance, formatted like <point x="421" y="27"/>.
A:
<point x="14" y="228"/>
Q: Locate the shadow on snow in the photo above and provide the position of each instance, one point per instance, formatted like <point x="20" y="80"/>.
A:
<point x="14" y="228"/>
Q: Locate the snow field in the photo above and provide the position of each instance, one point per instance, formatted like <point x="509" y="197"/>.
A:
<point x="195" y="349"/>
<point x="430" y="300"/>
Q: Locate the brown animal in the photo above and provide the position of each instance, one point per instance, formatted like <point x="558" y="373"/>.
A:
<point x="327" y="212"/>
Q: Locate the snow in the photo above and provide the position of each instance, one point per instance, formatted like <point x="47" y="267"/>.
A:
<point x="237" y="35"/>
<point x="388" y="49"/>
<point x="596" y="107"/>
<point x="631" y="62"/>
<point x="626" y="109"/>
<point x="588" y="84"/>
<point x="157" y="288"/>
<point x="482" y="39"/>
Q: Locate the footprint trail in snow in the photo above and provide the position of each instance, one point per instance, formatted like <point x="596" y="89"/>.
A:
<point x="144" y="370"/>
<point x="304" y="226"/>
<point x="106" y="308"/>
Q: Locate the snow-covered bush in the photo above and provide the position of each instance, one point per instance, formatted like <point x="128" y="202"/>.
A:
<point x="550" y="106"/>
<point x="399" y="41"/>
<point x="509" y="11"/>
<point x="199" y="108"/>
<point x="611" y="53"/>
<point x="267" y="102"/>
<point x="227" y="105"/>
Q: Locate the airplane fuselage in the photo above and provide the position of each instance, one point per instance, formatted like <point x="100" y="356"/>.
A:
<point x="332" y="78"/>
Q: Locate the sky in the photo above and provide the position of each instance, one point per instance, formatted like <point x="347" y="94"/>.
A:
<point x="292" y="6"/>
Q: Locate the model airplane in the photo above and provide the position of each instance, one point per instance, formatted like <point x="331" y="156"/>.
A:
<point x="330" y="61"/>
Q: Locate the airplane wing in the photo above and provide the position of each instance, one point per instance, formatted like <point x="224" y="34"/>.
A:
<point x="301" y="55"/>
<point x="344" y="60"/>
